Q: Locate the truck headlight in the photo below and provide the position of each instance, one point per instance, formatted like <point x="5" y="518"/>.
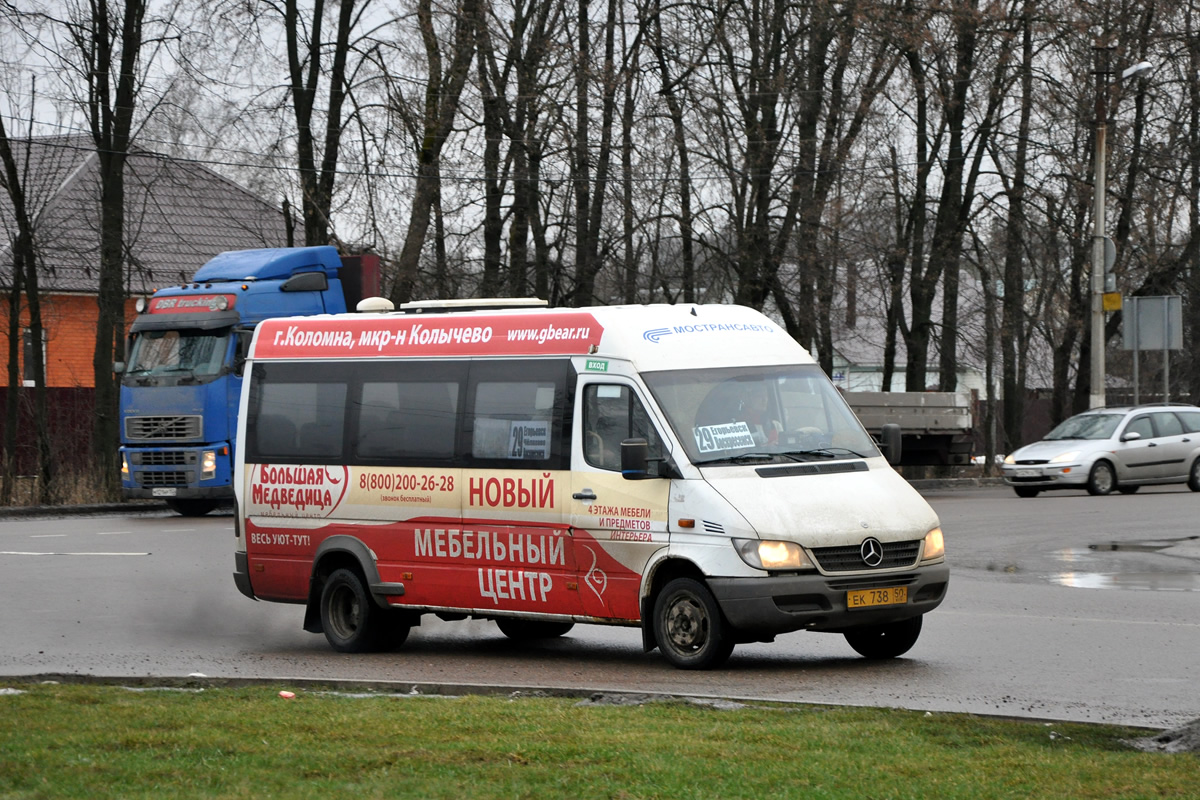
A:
<point x="124" y="466"/>
<point x="772" y="555"/>
<point x="208" y="464"/>
<point x="935" y="546"/>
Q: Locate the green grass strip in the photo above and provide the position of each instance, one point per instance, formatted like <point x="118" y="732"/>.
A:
<point x="68" y="741"/>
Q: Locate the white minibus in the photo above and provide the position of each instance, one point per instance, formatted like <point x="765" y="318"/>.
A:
<point x="686" y="469"/>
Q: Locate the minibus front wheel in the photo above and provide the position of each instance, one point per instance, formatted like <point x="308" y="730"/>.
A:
<point x="879" y="642"/>
<point x="352" y="622"/>
<point x="688" y="626"/>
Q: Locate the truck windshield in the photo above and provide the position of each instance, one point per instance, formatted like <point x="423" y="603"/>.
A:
<point x="788" y="412"/>
<point x="178" y="353"/>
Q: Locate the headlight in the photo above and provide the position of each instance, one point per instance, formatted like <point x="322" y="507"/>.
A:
<point x="772" y="555"/>
<point x="124" y="466"/>
<point x="1068" y="456"/>
<point x="935" y="547"/>
<point x="1008" y="459"/>
<point x="208" y="464"/>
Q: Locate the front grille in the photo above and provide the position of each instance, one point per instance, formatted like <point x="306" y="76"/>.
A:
<point x="849" y="558"/>
<point x="176" y="428"/>
<point x="176" y="478"/>
<point x="163" y="458"/>
<point x="1031" y="462"/>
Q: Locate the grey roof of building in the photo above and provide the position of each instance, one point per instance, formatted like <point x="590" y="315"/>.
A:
<point x="178" y="215"/>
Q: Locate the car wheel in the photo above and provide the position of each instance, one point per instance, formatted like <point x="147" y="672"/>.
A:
<point x="1102" y="479"/>
<point x="1025" y="491"/>
<point x="1194" y="476"/>
<point x="689" y="627"/>
<point x="879" y="642"/>
<point x="351" y="620"/>
<point x="1128" y="489"/>
<point x="525" y="629"/>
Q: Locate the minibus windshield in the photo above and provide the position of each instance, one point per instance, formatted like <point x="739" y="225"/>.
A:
<point x="740" y="415"/>
<point x="178" y="354"/>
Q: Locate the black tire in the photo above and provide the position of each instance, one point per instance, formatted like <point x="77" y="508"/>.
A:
<point x="1128" y="489"/>
<point x="1101" y="480"/>
<point x="351" y="620"/>
<point x="688" y="626"/>
<point x="1194" y="476"/>
<point x="880" y="642"/>
<point x="192" y="508"/>
<point x="527" y="629"/>
<point x="1025" y="491"/>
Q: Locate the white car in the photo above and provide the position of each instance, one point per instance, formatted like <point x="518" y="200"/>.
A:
<point x="1112" y="448"/>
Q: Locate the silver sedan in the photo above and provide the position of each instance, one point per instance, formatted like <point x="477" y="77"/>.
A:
<point x="1112" y="448"/>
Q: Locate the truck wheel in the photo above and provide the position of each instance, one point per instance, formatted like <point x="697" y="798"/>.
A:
<point x="1025" y="491"/>
<point x="1101" y="480"/>
<point x="192" y="508"/>
<point x="526" y="629"/>
<point x="689" y="627"/>
<point x="879" y="642"/>
<point x="351" y="620"/>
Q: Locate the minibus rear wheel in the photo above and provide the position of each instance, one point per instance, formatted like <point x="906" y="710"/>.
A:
<point x="353" y="623"/>
<point x="688" y="626"/>
<point x="526" y="629"/>
<point x="889" y="640"/>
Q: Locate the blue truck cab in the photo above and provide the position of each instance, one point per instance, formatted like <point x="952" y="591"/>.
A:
<point x="182" y="379"/>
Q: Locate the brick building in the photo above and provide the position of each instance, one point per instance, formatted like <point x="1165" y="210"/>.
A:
<point x="178" y="215"/>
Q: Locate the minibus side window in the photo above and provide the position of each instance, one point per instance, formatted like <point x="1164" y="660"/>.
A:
<point x="297" y="414"/>
<point x="612" y="413"/>
<point x="515" y="414"/>
<point x="404" y="419"/>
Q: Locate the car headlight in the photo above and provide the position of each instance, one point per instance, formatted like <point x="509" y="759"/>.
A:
<point x="1008" y="459"/>
<point x="208" y="464"/>
<point x="772" y="555"/>
<point x="1070" y="455"/>
<point x="935" y="545"/>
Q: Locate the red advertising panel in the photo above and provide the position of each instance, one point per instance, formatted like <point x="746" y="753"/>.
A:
<point x="553" y="333"/>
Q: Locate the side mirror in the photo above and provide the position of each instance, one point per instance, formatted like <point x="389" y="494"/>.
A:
<point x="119" y="367"/>
<point x="890" y="443"/>
<point x="1132" y="436"/>
<point x="635" y="459"/>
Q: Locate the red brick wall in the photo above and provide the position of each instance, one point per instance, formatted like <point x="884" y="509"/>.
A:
<point x="70" y="323"/>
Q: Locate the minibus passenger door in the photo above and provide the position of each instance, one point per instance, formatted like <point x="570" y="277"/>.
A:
<point x="618" y="524"/>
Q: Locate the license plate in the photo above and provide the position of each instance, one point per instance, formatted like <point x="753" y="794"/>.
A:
<point x="162" y="491"/>
<point x="865" y="598"/>
<point x="1026" y="473"/>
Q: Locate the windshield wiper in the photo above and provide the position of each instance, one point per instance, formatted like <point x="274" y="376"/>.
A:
<point x="822" y="452"/>
<point x="738" y="459"/>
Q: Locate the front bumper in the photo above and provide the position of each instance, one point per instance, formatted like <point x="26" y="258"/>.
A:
<point x="175" y="472"/>
<point x="759" y="608"/>
<point x="1045" y="476"/>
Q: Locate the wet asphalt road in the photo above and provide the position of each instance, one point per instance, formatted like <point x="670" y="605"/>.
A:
<point x="1061" y="607"/>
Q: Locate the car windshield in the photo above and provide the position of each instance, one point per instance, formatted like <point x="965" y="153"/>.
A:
<point x="1086" y="426"/>
<point x="193" y="353"/>
<point x="741" y="415"/>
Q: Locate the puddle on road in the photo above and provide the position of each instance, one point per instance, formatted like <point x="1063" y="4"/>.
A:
<point x="1147" y="581"/>
<point x="1092" y="570"/>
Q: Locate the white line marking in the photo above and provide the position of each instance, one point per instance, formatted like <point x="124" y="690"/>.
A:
<point x="49" y="536"/>
<point x="112" y="533"/>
